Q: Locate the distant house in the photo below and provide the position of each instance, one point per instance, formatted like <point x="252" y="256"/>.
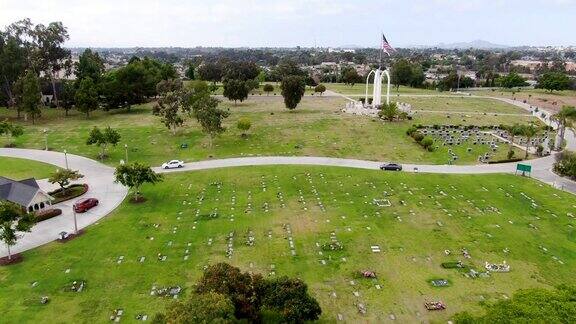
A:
<point x="25" y="193"/>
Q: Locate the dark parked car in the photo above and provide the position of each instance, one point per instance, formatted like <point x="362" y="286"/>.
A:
<point x="83" y="205"/>
<point x="391" y="167"/>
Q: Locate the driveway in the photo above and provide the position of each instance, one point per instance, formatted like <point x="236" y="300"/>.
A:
<point x="100" y="179"/>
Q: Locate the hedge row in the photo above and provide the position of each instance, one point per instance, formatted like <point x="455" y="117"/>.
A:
<point x="426" y="142"/>
<point x="45" y="214"/>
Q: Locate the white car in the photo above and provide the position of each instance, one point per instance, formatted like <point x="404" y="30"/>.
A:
<point x="173" y="164"/>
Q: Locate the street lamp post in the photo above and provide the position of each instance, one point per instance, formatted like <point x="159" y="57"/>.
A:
<point x="45" y="139"/>
<point x="126" y="151"/>
<point x="66" y="159"/>
<point x="75" y="222"/>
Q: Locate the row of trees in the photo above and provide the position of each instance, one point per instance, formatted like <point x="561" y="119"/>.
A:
<point x="224" y="294"/>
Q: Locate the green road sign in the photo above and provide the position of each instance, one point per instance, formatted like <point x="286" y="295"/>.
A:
<point x="523" y="168"/>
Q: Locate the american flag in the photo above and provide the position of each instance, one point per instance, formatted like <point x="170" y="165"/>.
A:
<point x="386" y="46"/>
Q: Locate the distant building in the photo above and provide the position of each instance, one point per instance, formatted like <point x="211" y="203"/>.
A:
<point x="25" y="193"/>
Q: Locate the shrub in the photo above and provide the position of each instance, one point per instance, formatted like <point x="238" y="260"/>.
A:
<point x="410" y="131"/>
<point x="45" y="214"/>
<point x="566" y="164"/>
<point x="418" y="136"/>
<point x="427" y="142"/>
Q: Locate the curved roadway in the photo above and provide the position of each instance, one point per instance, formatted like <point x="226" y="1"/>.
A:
<point x="102" y="186"/>
<point x="100" y="179"/>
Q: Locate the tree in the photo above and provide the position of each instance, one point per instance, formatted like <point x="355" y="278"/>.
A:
<point x="513" y="131"/>
<point x="135" y="175"/>
<point x="210" y="71"/>
<point x="31" y="96"/>
<point x="285" y="68"/>
<point x="511" y="80"/>
<point x="235" y="89"/>
<point x="454" y="81"/>
<point x="12" y="64"/>
<point x="535" y="305"/>
<point x="244" y="125"/>
<point x="350" y="76"/>
<point x="242" y="288"/>
<point x="63" y="177"/>
<point x="268" y="88"/>
<point x="210" y="117"/>
<point x="86" y="97"/>
<point x="251" y="294"/>
<point x="203" y="308"/>
<point x="67" y="95"/>
<point x="169" y="106"/>
<point x="13" y="219"/>
<point x="564" y="119"/>
<point x="401" y="73"/>
<point x="554" y="81"/>
<point x="320" y="88"/>
<point x="49" y="53"/>
<point x="289" y="298"/>
<point x="293" y="88"/>
<point x="240" y="70"/>
<point x="89" y="65"/>
<point x="103" y="138"/>
<point x="529" y="131"/>
<point x="10" y="131"/>
<point x="190" y="71"/>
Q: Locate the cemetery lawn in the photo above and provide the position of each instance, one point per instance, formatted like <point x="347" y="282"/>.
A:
<point x="551" y="101"/>
<point x="19" y="169"/>
<point x="316" y="128"/>
<point x="360" y="89"/>
<point x="495" y="217"/>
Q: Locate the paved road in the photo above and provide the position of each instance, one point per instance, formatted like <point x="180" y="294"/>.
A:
<point x="99" y="177"/>
<point x="102" y="186"/>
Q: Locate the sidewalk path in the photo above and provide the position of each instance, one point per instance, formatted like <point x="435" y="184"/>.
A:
<point x="100" y="179"/>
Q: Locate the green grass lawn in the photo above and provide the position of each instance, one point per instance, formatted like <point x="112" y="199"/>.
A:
<point x="19" y="169"/>
<point x="495" y="217"/>
<point x="360" y="89"/>
<point x="316" y="128"/>
<point x="462" y="104"/>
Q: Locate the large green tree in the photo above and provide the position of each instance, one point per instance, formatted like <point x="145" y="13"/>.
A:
<point x="209" y="116"/>
<point x="290" y="298"/>
<point x="89" y="65"/>
<point x="50" y="55"/>
<point x="13" y="219"/>
<point x="293" y="88"/>
<point x="135" y="175"/>
<point x="511" y="80"/>
<point x="236" y="89"/>
<point x="31" y="96"/>
<point x="170" y="108"/>
<point x="12" y="64"/>
<point x="554" y="81"/>
<point x="86" y="97"/>
<point x="102" y="139"/>
<point x="206" y="308"/>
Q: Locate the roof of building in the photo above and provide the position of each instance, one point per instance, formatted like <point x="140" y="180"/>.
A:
<point x="19" y="192"/>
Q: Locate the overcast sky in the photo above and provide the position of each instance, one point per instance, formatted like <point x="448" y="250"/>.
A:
<point x="274" y="23"/>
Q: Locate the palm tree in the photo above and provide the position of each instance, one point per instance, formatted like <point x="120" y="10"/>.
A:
<point x="564" y="119"/>
<point x="529" y="131"/>
<point x="514" y="131"/>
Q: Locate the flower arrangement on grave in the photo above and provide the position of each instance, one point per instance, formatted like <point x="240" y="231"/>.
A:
<point x="75" y="286"/>
<point x="332" y="246"/>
